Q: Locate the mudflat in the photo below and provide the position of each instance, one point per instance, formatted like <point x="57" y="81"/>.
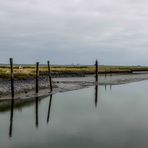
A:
<point x="26" y="88"/>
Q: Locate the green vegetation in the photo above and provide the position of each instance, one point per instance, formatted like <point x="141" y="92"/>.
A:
<point x="29" y="72"/>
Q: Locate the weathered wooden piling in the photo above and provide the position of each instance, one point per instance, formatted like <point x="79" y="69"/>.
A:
<point x="37" y="77"/>
<point x="96" y="95"/>
<point x="12" y="78"/>
<point x="49" y="75"/>
<point x="96" y="64"/>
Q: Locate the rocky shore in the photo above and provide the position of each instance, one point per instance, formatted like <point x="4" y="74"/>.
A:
<point x="26" y="88"/>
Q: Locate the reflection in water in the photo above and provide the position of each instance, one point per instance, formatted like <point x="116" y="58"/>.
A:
<point x="11" y="118"/>
<point x="48" y="115"/>
<point x="96" y="95"/>
<point x="78" y="117"/>
<point x="110" y="87"/>
<point x="105" y="87"/>
<point x="110" y="73"/>
<point x="105" y="74"/>
<point x="36" y="111"/>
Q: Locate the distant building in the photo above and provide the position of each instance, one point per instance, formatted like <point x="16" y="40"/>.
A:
<point x="20" y="67"/>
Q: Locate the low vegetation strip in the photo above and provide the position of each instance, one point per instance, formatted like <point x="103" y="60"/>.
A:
<point x="26" y="72"/>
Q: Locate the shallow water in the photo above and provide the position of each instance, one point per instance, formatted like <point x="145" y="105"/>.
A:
<point x="113" y="116"/>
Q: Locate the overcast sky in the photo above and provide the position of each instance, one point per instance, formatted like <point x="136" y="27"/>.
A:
<point x="74" y="31"/>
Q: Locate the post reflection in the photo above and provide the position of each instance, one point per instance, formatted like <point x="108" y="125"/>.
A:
<point x="11" y="118"/>
<point x="36" y="112"/>
<point x="96" y="95"/>
<point x="105" y="87"/>
<point x="110" y="87"/>
<point x="49" y="107"/>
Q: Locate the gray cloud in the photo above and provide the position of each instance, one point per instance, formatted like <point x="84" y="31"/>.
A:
<point x="76" y="31"/>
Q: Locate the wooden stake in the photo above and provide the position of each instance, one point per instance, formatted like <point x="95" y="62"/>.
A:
<point x="49" y="74"/>
<point x="37" y="77"/>
<point x="105" y="73"/>
<point x="12" y="78"/>
<point x="96" y="70"/>
<point x="96" y="95"/>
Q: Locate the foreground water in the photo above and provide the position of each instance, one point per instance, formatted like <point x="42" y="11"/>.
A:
<point x="114" y="116"/>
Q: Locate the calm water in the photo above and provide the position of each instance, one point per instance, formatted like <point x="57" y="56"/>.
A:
<point x="115" y="116"/>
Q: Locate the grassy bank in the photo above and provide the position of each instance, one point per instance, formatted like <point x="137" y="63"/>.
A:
<point x="29" y="72"/>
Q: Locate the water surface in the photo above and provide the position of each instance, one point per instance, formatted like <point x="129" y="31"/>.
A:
<point x="103" y="116"/>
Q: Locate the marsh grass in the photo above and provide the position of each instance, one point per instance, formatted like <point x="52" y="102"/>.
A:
<point x="29" y="72"/>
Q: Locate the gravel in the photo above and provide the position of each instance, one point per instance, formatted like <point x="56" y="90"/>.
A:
<point x="66" y="84"/>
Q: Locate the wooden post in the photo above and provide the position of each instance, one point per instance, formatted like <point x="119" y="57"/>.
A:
<point x="96" y="95"/>
<point x="96" y="70"/>
<point x="37" y="77"/>
<point x="49" y="74"/>
<point x="12" y="78"/>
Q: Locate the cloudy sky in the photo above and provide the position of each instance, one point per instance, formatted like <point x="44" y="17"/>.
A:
<point x="74" y="31"/>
